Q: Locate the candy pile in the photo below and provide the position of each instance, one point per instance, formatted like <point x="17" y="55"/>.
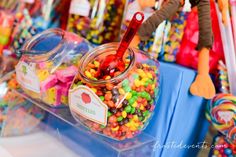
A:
<point x="17" y="116"/>
<point x="222" y="148"/>
<point x="174" y="38"/>
<point x="130" y="102"/>
<point x="223" y="82"/>
<point x="101" y="24"/>
<point x="221" y="112"/>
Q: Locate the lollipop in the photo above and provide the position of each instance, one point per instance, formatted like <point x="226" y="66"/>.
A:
<point x="221" y="112"/>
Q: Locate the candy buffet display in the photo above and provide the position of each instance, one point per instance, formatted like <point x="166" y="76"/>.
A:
<point x="96" y="20"/>
<point x="17" y="116"/>
<point x="49" y="64"/>
<point x="118" y="106"/>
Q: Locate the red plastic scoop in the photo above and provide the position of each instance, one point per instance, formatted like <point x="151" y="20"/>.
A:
<point x="114" y="62"/>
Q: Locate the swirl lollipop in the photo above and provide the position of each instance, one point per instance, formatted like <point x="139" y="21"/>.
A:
<point x="221" y="112"/>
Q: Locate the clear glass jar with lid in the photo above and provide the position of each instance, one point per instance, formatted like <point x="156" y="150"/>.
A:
<point x="49" y="63"/>
<point x="118" y="106"/>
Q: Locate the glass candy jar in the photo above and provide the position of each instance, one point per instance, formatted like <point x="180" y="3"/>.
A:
<point x="48" y="65"/>
<point x="118" y="107"/>
<point x="98" y="21"/>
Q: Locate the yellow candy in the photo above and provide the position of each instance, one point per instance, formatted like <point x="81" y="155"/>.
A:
<point x="124" y="114"/>
<point x="94" y="90"/>
<point x="144" y="79"/>
<point x="142" y="107"/>
<point x="88" y="74"/>
<point x="64" y="99"/>
<point x="128" y="124"/>
<point x="134" y="104"/>
<point x="137" y="83"/>
<point x="96" y="63"/>
<point x="135" y="118"/>
<point x="133" y="128"/>
<point x="108" y="77"/>
<point x="43" y="74"/>
<point x="115" y="129"/>
<point x="128" y="95"/>
<point x="153" y="86"/>
<point x="121" y="91"/>
<point x="149" y="75"/>
<point x="92" y="71"/>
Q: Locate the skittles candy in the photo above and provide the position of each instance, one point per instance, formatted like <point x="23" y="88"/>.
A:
<point x="118" y="106"/>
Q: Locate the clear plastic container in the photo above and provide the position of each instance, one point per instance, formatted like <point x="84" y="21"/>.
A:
<point x="49" y="64"/>
<point x="17" y="115"/>
<point x="118" y="107"/>
<point x="98" y="21"/>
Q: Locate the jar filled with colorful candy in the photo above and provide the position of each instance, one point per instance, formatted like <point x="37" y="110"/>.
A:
<point x="118" y="106"/>
<point x="98" y="21"/>
<point x="49" y="64"/>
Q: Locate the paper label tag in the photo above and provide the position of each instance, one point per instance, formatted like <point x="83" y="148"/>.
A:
<point x="80" y="7"/>
<point x="26" y="76"/>
<point x="87" y="104"/>
<point x="29" y="1"/>
<point x="226" y="115"/>
<point x="134" y="7"/>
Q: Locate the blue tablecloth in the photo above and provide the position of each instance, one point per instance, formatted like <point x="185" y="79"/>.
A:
<point x="179" y="116"/>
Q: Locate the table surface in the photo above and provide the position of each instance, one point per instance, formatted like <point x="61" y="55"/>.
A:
<point x="178" y="120"/>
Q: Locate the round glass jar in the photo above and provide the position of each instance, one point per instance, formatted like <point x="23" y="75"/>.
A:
<point x="118" y="107"/>
<point x="48" y="65"/>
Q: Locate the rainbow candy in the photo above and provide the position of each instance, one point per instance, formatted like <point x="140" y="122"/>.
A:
<point x="221" y="113"/>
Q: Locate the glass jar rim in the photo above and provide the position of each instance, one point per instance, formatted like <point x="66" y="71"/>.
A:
<point x="38" y="57"/>
<point x="113" y="45"/>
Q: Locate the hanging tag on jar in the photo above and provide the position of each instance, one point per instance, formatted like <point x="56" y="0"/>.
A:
<point x="26" y="76"/>
<point x="80" y="7"/>
<point x="86" y="103"/>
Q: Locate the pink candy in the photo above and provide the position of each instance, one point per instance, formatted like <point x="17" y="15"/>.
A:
<point x="48" y="83"/>
<point x="67" y="74"/>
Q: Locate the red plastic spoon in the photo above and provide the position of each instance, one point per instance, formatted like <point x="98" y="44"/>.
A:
<point x="114" y="62"/>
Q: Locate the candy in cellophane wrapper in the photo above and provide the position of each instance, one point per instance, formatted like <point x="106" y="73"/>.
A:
<point x="188" y="55"/>
<point x="173" y="36"/>
<point x="118" y="106"/>
<point x="49" y="64"/>
<point x="96" y="20"/>
<point x="17" y="115"/>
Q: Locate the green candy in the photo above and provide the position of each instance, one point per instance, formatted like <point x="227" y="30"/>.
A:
<point x="140" y="118"/>
<point x="135" y="76"/>
<point x="131" y="101"/>
<point x="109" y="114"/>
<point x="128" y="109"/>
<point x="125" y="83"/>
<point x="102" y="126"/>
<point x="102" y="98"/>
<point x="134" y="93"/>
<point x="119" y="118"/>
<point x="146" y="113"/>
<point x="132" y="110"/>
<point x="151" y="102"/>
<point x="127" y="89"/>
<point x="135" y="97"/>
